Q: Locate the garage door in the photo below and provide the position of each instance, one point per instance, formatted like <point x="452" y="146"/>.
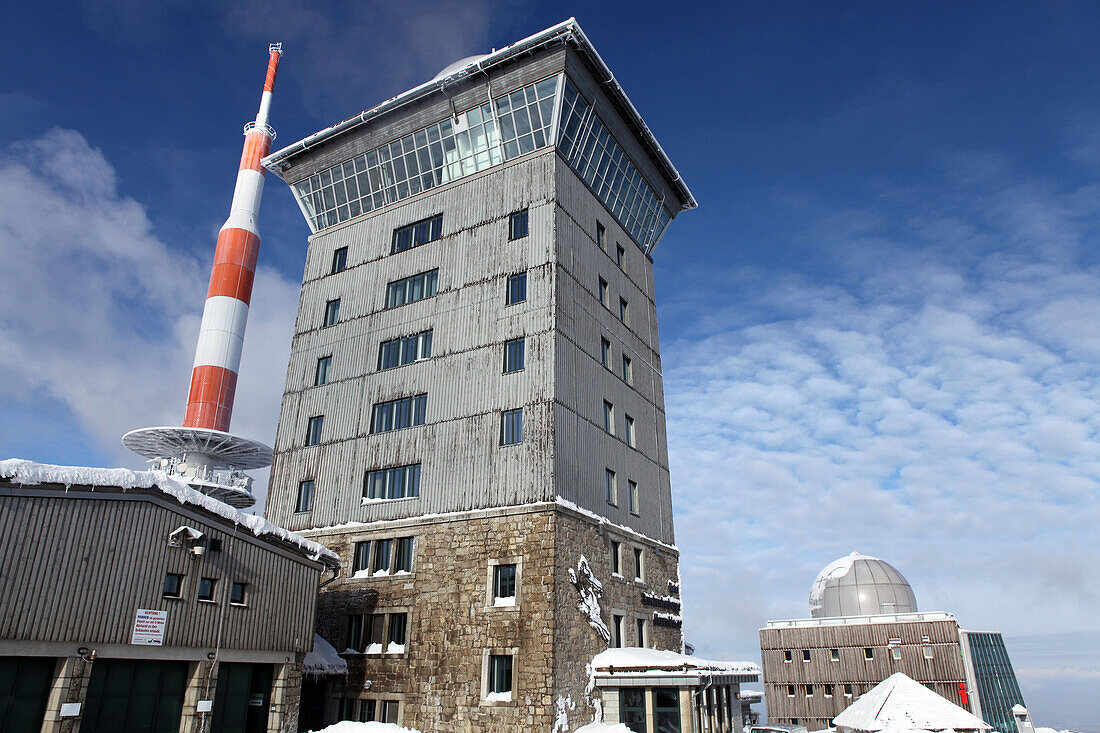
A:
<point x="24" y="688"/>
<point x="132" y="696"/>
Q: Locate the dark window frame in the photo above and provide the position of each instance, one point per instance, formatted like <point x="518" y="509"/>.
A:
<point x="511" y="426"/>
<point x="427" y="281"/>
<point x="206" y="597"/>
<point x="240" y="599"/>
<point x="501" y="673"/>
<point x="424" y="231"/>
<point x="518" y="225"/>
<point x="314" y="426"/>
<point x="339" y="260"/>
<point x="178" y="580"/>
<point x="515" y="291"/>
<point x="515" y="355"/>
<point x="320" y="373"/>
<point x="304" y="502"/>
<point x="332" y="313"/>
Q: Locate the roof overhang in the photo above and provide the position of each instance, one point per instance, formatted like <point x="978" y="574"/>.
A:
<point x="568" y="32"/>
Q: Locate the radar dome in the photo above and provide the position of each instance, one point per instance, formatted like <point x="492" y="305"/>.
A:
<point x="458" y="66"/>
<point x="858" y="585"/>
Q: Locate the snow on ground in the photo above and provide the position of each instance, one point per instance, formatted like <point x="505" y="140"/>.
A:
<point x="634" y="657"/>
<point x="324" y="660"/>
<point x="603" y="728"/>
<point x="350" y="726"/>
<point x="30" y="473"/>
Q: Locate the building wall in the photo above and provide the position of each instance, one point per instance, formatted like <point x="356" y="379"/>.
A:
<point x="997" y="689"/>
<point x="80" y="563"/>
<point x="942" y="673"/>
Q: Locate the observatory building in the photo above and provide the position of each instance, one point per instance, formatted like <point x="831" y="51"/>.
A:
<point x="473" y="415"/>
<point x="864" y="626"/>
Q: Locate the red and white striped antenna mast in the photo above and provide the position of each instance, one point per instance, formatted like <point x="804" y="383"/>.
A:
<point x="202" y="452"/>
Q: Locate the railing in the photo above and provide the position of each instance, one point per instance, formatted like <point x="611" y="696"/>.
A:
<point x="266" y="128"/>
<point x="878" y="618"/>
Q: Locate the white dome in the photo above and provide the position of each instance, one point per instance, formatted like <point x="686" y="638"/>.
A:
<point x="459" y="65"/>
<point x="858" y="585"/>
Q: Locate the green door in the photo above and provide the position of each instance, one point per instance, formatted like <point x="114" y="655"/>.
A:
<point x="24" y="688"/>
<point x="134" y="696"/>
<point x="242" y="697"/>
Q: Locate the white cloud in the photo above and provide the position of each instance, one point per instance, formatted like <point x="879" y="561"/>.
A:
<point x="101" y="315"/>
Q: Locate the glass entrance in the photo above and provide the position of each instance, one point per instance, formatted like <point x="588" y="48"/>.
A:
<point x="133" y="696"/>
<point x="241" y="699"/>
<point x="24" y="688"/>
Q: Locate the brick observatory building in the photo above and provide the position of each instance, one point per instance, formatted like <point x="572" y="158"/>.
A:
<point x="474" y="415"/>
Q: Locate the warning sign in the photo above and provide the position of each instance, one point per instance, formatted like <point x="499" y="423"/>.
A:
<point x="149" y="627"/>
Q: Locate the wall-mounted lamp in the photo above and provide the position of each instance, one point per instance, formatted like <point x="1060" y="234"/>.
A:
<point x="211" y="656"/>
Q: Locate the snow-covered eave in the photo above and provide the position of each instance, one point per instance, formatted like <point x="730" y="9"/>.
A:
<point x="22" y="472"/>
<point x="646" y="662"/>
<point x="878" y="618"/>
<point x="567" y="31"/>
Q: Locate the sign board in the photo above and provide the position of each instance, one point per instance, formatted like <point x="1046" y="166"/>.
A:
<point x="204" y="706"/>
<point x="149" y="627"/>
<point x="70" y="709"/>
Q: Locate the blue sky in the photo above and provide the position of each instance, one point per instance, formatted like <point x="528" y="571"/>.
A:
<point x="880" y="330"/>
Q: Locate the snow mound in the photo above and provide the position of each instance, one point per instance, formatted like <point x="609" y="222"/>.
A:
<point x="900" y="704"/>
<point x="324" y="660"/>
<point x="30" y="473"/>
<point x="632" y="657"/>
<point x="350" y="726"/>
<point x="603" y="728"/>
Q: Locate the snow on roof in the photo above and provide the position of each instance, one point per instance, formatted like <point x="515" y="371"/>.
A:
<point x="30" y="473"/>
<point x="349" y="726"/>
<point x="899" y="703"/>
<point x="633" y="657"/>
<point x="324" y="660"/>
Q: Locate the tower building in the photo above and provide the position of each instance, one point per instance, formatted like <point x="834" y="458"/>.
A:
<point x="473" y="415"/>
<point x="864" y="626"/>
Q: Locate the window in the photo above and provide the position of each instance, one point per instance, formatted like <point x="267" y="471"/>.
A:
<point x="619" y="254"/>
<point x="398" y="627"/>
<point x="398" y="414"/>
<point x="517" y="289"/>
<point x="173" y="585"/>
<point x="790" y="690"/>
<point x="847" y="690"/>
<point x="616" y="630"/>
<point x="809" y="690"/>
<point x="417" y="233"/>
<point x="624" y="312"/>
<point x="895" y="653"/>
<point x="238" y="594"/>
<point x="629" y="431"/>
<point x="605" y="353"/>
<point x="605" y="299"/>
<point x="632" y="708"/>
<point x="346" y="709"/>
<point x="608" y="417"/>
<point x="828" y="690"/>
<point x="320" y="375"/>
<point x="787" y="655"/>
<point x="928" y="651"/>
<point x="834" y="655"/>
<point x="389" y="711"/>
<point x="411" y="289"/>
<point x="868" y="653"/>
<point x="500" y="674"/>
<point x="601" y="236"/>
<point x="511" y="426"/>
<point x="632" y="497"/>
<point x="313" y="430"/>
<point x="615" y="557"/>
<point x="375" y="628"/>
<point x="403" y="555"/>
<point x="397" y="482"/>
<point x="517" y="225"/>
<point x="355" y="632"/>
<point x="628" y="370"/>
<point x="666" y="709"/>
<point x="805" y="655"/>
<point x="612" y="488"/>
<point x="513" y="355"/>
<point x="504" y="584"/>
<point x="367" y="710"/>
<point x="361" y="561"/>
<point x="332" y="312"/>
<point x="639" y="625"/>
<point x="305" y="496"/>
<point x="339" y="260"/>
<point x="206" y="589"/>
<point x="401" y="351"/>
<point x="639" y="564"/>
<point x="382" y="549"/>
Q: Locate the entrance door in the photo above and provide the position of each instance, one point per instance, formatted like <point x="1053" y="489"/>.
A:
<point x="134" y="696"/>
<point x="241" y="700"/>
<point x="24" y="688"/>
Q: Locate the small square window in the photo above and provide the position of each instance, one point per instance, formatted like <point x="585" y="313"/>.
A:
<point x="612" y="489"/>
<point x="305" y="497"/>
<point x="847" y="690"/>
<point x="605" y="298"/>
<point x="639" y="564"/>
<point x="868" y="653"/>
<point x="895" y="653"/>
<point x="809" y="690"/>
<point x="615" y="557"/>
<point x="629" y="431"/>
<point x="361" y="560"/>
<point x="320" y="375"/>
<point x="828" y="690"/>
<point x="834" y="655"/>
<point x="313" y="430"/>
<point x="238" y="594"/>
<point x="504" y="584"/>
<point x="608" y="417"/>
<point x="513" y="355"/>
<point x="628" y="370"/>
<point x="788" y="655"/>
<point x="332" y="312"/>
<point x="511" y="427"/>
<point x="601" y="236"/>
<point x="927" y="651"/>
<point x="339" y="260"/>
<point x="624" y="312"/>
<point x="605" y="353"/>
<point x="805" y="655"/>
<point x="500" y="674"/>
<point x="632" y="497"/>
<point x="790" y="690"/>
<point x="206" y="589"/>
<point x="517" y="225"/>
<point x="173" y="585"/>
<point x="619" y="255"/>
<point x="517" y="289"/>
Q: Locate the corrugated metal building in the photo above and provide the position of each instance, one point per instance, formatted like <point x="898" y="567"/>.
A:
<point x="129" y="601"/>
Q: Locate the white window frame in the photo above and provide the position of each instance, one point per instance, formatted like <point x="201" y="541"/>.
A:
<point x="490" y="571"/>
<point x="494" y="651"/>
